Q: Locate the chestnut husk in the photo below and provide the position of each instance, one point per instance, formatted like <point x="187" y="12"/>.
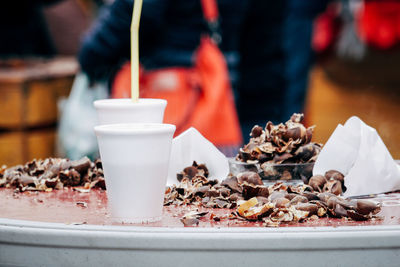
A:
<point x="366" y="207"/>
<point x="317" y="182"/>
<point x="250" y="177"/>
<point x="250" y="191"/>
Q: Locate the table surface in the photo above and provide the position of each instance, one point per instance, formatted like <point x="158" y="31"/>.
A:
<point x="72" y="207"/>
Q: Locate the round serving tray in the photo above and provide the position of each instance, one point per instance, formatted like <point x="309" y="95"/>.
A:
<point x="37" y="229"/>
<point x="24" y="243"/>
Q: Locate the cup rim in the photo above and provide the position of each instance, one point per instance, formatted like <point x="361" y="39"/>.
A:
<point x="134" y="128"/>
<point x="120" y="103"/>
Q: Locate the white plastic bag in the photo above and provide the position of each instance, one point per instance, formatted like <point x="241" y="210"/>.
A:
<point x="76" y="136"/>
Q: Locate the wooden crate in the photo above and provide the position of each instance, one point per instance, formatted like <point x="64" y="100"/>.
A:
<point x="30" y="90"/>
<point x="330" y="103"/>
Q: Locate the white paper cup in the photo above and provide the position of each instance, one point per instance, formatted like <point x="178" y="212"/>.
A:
<point x="124" y="110"/>
<point x="135" y="160"/>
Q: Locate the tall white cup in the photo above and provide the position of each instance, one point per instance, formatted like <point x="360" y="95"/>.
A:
<point x="124" y="110"/>
<point x="135" y="160"/>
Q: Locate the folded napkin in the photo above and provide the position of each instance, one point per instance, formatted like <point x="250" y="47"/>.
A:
<point x="356" y="150"/>
<point x="191" y="146"/>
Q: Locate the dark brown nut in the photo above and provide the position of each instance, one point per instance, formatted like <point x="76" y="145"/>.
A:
<point x="279" y="186"/>
<point x="334" y="175"/>
<point x="366" y="207"/>
<point x="225" y="192"/>
<point x="75" y="177"/>
<point x="210" y="182"/>
<point x="69" y="177"/>
<point x="309" y="134"/>
<point x="51" y="183"/>
<point x="212" y="193"/>
<point x="250" y="191"/>
<point x="250" y="177"/>
<point x="180" y="191"/>
<point x="317" y="182"/>
<point x="356" y="216"/>
<point x="297" y="190"/>
<point x="194" y="164"/>
<point x="295" y="133"/>
<point x="234" y="197"/>
<point x="298" y="199"/>
<point x="30" y="166"/>
<point x="325" y="196"/>
<point x="264" y="157"/>
<point x="179" y="176"/>
<point x="81" y="165"/>
<point x="279" y="158"/>
<point x="256" y="131"/>
<point x="306" y="152"/>
<point x="202" y="190"/>
<point x="232" y="183"/>
<point x="347" y="204"/>
<point x="277" y="194"/>
<point x="243" y="155"/>
<point x="281" y="202"/>
<point x="334" y="187"/>
<point x="332" y="202"/>
<point x="310" y="196"/>
<point x="311" y="208"/>
<point x="340" y="211"/>
<point x="190" y="171"/>
<point x="204" y="168"/>
<point x="290" y="196"/>
<point x="319" y="203"/>
<point x="101" y="183"/>
<point x="36" y="172"/>
<point x="307" y="188"/>
<point x="98" y="164"/>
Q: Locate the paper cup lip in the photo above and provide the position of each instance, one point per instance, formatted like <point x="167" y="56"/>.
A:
<point x="123" y="103"/>
<point x="134" y="128"/>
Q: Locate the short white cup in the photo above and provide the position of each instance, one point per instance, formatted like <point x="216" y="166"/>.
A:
<point x="124" y="110"/>
<point x="135" y="160"/>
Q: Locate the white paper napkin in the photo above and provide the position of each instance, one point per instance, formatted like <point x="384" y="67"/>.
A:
<point x="357" y="151"/>
<point x="191" y="145"/>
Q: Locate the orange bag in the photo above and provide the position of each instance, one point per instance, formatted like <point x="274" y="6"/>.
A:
<point x="199" y="97"/>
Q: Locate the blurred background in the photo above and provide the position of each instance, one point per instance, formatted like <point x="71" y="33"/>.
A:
<point x="329" y="59"/>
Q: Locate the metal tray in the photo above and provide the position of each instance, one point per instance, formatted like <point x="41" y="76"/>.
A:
<point x="51" y="229"/>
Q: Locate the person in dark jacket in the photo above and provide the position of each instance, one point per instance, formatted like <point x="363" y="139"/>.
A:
<point x="268" y="67"/>
<point x="169" y="33"/>
<point x="276" y="57"/>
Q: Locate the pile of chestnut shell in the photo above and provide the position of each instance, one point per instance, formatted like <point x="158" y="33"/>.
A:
<point x="282" y="143"/>
<point x="274" y="204"/>
<point x="332" y="181"/>
<point x="53" y="173"/>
